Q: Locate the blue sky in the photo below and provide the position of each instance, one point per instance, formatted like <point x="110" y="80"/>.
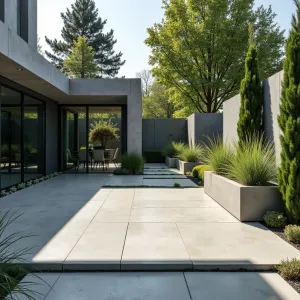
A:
<point x="129" y="19"/>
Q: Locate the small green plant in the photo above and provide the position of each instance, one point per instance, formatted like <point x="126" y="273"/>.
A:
<point x="255" y="162"/>
<point x="289" y="269"/>
<point x="219" y="156"/>
<point x="203" y="168"/>
<point x="102" y="132"/>
<point x="179" y="148"/>
<point x="120" y="171"/>
<point x="133" y="162"/>
<point x="195" y="171"/>
<point x="292" y="233"/>
<point x="193" y="154"/>
<point x="275" y="219"/>
<point x="177" y="185"/>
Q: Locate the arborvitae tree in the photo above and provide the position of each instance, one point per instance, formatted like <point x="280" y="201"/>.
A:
<point x="289" y="123"/>
<point x="83" y="20"/>
<point x="80" y="63"/>
<point x="251" y="110"/>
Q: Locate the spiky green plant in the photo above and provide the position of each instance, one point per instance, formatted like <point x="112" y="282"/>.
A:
<point x="11" y="271"/>
<point x="133" y="162"/>
<point x="219" y="156"/>
<point x="169" y="150"/>
<point x="289" y="123"/>
<point x="193" y="154"/>
<point x="255" y="162"/>
<point x="179" y="148"/>
<point x="251" y="110"/>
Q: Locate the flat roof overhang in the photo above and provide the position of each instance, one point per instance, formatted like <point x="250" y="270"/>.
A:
<point x="24" y="66"/>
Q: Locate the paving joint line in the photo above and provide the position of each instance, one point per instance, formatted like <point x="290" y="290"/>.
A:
<point x="52" y="286"/>
<point x="188" y="288"/>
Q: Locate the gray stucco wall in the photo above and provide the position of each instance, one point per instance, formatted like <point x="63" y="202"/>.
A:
<point x="204" y="126"/>
<point x="157" y="133"/>
<point x="272" y="96"/>
<point x="51" y="136"/>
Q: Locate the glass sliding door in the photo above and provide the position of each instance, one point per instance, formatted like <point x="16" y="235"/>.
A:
<point x="11" y="168"/>
<point x="34" y="139"/>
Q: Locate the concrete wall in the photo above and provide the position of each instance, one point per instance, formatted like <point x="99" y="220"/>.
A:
<point x="10" y="16"/>
<point x="272" y="96"/>
<point x="231" y="111"/>
<point x="32" y="24"/>
<point x="204" y="126"/>
<point x="157" y="133"/>
<point x="51" y="137"/>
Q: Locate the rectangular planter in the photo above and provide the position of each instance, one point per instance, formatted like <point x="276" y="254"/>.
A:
<point x="171" y="162"/>
<point x="185" y="167"/>
<point x="246" y="203"/>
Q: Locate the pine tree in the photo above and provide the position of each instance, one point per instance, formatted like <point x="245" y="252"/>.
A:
<point x="289" y="123"/>
<point x="251" y="110"/>
<point x="83" y="20"/>
<point x="80" y="63"/>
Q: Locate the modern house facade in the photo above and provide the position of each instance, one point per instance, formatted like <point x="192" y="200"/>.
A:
<point x="44" y="114"/>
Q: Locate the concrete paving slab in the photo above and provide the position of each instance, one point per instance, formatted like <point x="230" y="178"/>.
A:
<point x="100" y="248"/>
<point x="158" y="182"/>
<point x="40" y="284"/>
<point x="184" y="215"/>
<point x="158" y="176"/>
<point x="172" y="203"/>
<point x="104" y="286"/>
<point x="237" y="286"/>
<point x="185" y="182"/>
<point x="154" y="246"/>
<point x="234" y="245"/>
<point x="125" y="181"/>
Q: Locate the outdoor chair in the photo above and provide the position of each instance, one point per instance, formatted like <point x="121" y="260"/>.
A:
<point x="99" y="158"/>
<point x="82" y="157"/>
<point x="73" y="159"/>
<point x="110" y="153"/>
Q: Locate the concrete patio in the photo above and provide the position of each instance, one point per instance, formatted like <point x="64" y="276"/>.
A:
<point x="80" y="226"/>
<point x="162" y="286"/>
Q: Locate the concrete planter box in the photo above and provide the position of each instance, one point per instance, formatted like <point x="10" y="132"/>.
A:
<point x="184" y="166"/>
<point x="246" y="203"/>
<point x="171" y="162"/>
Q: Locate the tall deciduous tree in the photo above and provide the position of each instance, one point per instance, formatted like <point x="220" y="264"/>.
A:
<point x="157" y="104"/>
<point x="147" y="81"/>
<point x="251" y="110"/>
<point x="289" y="123"/>
<point x="83" y="20"/>
<point x="199" y="48"/>
<point x="80" y="63"/>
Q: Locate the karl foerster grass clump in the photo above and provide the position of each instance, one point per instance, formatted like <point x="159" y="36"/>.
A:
<point x="289" y="269"/>
<point x="254" y="163"/>
<point x="275" y="219"/>
<point x="219" y="156"/>
<point x="133" y="162"/>
<point x="193" y="154"/>
<point x="292" y="233"/>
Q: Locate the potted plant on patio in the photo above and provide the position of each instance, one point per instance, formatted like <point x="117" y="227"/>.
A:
<point x="243" y="176"/>
<point x="102" y="132"/>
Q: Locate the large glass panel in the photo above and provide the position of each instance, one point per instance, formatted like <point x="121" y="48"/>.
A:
<point x="34" y="142"/>
<point x="103" y="145"/>
<point x="74" y="139"/>
<point x="10" y="137"/>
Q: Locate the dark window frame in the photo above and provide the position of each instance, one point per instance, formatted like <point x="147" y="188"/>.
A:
<point x="2" y="11"/>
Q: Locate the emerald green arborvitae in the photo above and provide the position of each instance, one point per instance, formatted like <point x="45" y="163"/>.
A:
<point x="289" y="123"/>
<point x="251" y="111"/>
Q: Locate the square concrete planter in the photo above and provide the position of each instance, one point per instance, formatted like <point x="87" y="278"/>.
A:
<point x="246" y="203"/>
<point x="171" y="162"/>
<point x="185" y="167"/>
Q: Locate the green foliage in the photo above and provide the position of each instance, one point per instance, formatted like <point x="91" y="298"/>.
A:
<point x="169" y="151"/>
<point x="275" y="219"/>
<point x="102" y="132"/>
<point x="290" y="269"/>
<point x="193" y="154"/>
<point x="83" y="19"/>
<point x="120" y="171"/>
<point x="80" y="62"/>
<point x="251" y="110"/>
<point x="5" y="150"/>
<point x="219" y="156"/>
<point x="289" y="123"/>
<point x="195" y="171"/>
<point x="292" y="233"/>
<point x="154" y="156"/>
<point x="133" y="162"/>
<point x="254" y="163"/>
<point x="157" y="104"/>
<point x="198" y="171"/>
<point x="177" y="185"/>
<point x="199" y="47"/>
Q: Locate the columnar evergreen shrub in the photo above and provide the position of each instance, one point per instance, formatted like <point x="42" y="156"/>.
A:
<point x="250" y="119"/>
<point x="289" y="123"/>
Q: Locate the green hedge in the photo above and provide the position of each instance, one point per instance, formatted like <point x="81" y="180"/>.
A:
<point x="198" y="172"/>
<point x="153" y="156"/>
